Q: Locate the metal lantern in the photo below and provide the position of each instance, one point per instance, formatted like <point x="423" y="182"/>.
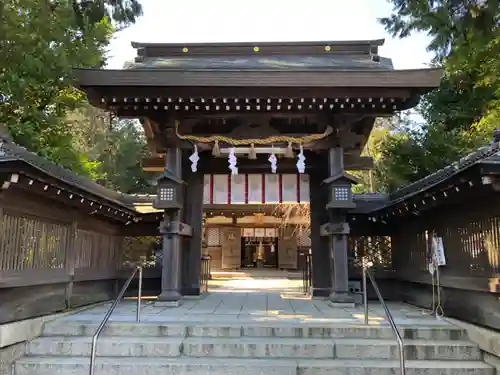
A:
<point x="340" y="187"/>
<point x="169" y="194"/>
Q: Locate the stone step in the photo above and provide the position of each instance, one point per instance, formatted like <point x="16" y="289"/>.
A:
<point x="254" y="348"/>
<point x="106" y="346"/>
<point x="329" y="348"/>
<point x="299" y="330"/>
<point x="211" y="366"/>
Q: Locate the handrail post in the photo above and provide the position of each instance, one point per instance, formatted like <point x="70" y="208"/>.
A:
<point x="388" y="314"/>
<point x="365" y="292"/>
<point x="110" y="311"/>
<point x="139" y="295"/>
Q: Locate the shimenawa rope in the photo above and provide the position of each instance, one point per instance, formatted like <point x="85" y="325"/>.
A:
<point x="254" y="141"/>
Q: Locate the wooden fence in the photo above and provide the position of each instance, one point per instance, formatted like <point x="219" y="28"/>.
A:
<point x="48" y="265"/>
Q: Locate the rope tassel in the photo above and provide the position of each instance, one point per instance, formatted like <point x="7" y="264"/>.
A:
<point x="216" y="149"/>
<point x="252" y="154"/>
<point x="289" y="151"/>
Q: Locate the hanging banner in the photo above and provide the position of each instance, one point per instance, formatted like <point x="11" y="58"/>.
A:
<point x="248" y="232"/>
<point x="438" y="251"/>
<point x="254" y="188"/>
<point x="271" y="232"/>
<point x="289" y="188"/>
<point x="272" y="188"/>
<point x="304" y="188"/>
<point x="238" y="189"/>
<point x="220" y="189"/>
<point x="260" y="232"/>
<point x="206" y="189"/>
<point x="294" y="188"/>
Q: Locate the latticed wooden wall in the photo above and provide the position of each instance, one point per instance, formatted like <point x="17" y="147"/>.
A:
<point x="375" y="249"/>
<point x="471" y="242"/>
<point x="34" y="243"/>
<point x="95" y="250"/>
<point x="304" y="239"/>
<point x="27" y="243"/>
<point x="213" y="236"/>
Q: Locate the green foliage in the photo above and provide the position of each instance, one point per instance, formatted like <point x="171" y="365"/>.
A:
<point x="461" y="114"/>
<point x="453" y="25"/>
<point x="140" y="251"/>
<point x="41" y="42"/>
<point x="39" y="46"/>
<point x="122" y="12"/>
<point x="114" y="147"/>
<point x="370" y="180"/>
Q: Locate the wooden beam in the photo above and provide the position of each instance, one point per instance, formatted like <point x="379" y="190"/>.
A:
<point x="213" y="165"/>
<point x="357" y="163"/>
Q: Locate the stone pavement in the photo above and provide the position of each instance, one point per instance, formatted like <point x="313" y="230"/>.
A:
<point x="259" y="300"/>
<point x="248" y="327"/>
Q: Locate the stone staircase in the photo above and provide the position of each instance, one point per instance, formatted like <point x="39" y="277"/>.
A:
<point x="277" y="348"/>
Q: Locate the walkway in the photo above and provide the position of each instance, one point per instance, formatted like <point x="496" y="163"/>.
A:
<point x="257" y="301"/>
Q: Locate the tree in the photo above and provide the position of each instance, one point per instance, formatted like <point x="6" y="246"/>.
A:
<point x="373" y="180"/>
<point x="122" y="12"/>
<point x="114" y="146"/>
<point x="41" y="42"/>
<point x="453" y="25"/>
<point x="461" y="114"/>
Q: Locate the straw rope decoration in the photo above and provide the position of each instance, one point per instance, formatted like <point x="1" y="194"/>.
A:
<point x="254" y="141"/>
<point x="215" y="139"/>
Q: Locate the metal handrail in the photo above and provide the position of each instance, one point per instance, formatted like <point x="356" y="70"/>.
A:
<point x="366" y="272"/>
<point x="137" y="269"/>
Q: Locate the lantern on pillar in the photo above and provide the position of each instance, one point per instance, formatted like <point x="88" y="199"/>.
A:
<point x="169" y="191"/>
<point x="340" y="186"/>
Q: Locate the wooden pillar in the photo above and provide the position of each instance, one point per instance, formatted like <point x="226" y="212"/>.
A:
<point x="171" y="270"/>
<point x="338" y="242"/>
<point x="194" y="217"/>
<point x="321" y="269"/>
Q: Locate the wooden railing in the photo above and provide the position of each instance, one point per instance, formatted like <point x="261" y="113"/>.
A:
<point x="38" y="251"/>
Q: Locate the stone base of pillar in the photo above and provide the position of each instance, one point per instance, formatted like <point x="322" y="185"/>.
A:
<point x="342" y="300"/>
<point x="191" y="291"/>
<point x="167" y="304"/>
<point x="320" y="292"/>
<point x="169" y="299"/>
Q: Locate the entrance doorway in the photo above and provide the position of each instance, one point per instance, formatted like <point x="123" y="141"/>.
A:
<point x="259" y="252"/>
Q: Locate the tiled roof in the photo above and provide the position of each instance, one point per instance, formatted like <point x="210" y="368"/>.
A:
<point x="11" y="152"/>
<point x="487" y="154"/>
<point x="258" y="62"/>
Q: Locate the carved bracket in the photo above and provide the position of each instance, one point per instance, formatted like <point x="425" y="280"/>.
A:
<point x="175" y="227"/>
<point x="331" y="229"/>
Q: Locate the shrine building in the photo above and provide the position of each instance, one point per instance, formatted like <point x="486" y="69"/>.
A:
<point x="238" y="132"/>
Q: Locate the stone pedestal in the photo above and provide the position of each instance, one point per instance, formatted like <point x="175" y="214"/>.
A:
<point x="172" y="245"/>
<point x="171" y="275"/>
<point x="339" y="295"/>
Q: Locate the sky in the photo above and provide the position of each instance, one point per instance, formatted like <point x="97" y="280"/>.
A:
<point x="185" y="21"/>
